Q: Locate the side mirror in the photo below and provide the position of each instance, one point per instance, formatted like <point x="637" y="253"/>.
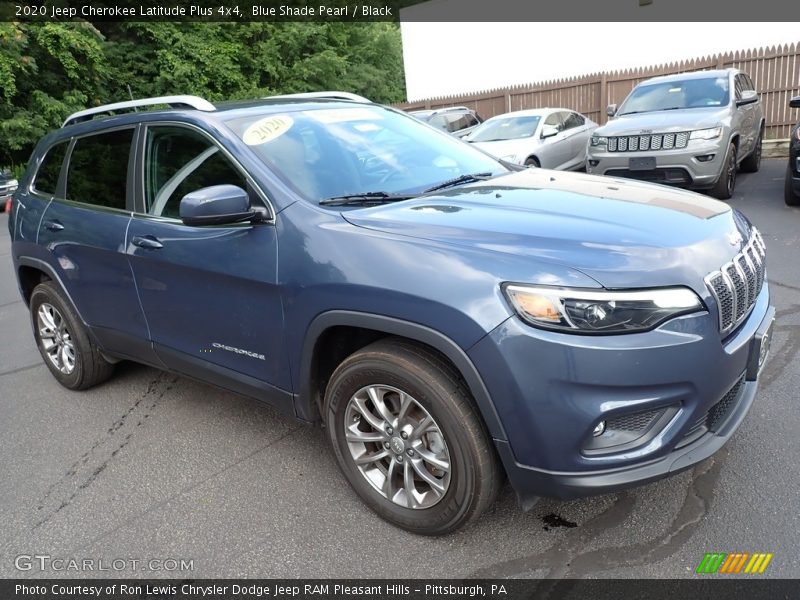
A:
<point x="748" y="97"/>
<point x="611" y="110"/>
<point x="795" y="102"/>
<point x="548" y="131"/>
<point x="217" y="205"/>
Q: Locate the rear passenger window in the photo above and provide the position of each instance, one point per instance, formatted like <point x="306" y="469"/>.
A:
<point x="573" y="120"/>
<point x="98" y="169"/>
<point x="47" y="177"/>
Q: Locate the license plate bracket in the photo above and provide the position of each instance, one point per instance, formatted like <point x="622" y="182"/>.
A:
<point x="760" y="346"/>
<point x="642" y="163"/>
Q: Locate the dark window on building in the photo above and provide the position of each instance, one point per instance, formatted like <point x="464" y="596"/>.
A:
<point x="98" y="169"/>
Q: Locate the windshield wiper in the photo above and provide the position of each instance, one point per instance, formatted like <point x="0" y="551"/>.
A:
<point x="458" y="181"/>
<point x="363" y="199"/>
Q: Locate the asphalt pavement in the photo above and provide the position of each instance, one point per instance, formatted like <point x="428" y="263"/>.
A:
<point x="154" y="467"/>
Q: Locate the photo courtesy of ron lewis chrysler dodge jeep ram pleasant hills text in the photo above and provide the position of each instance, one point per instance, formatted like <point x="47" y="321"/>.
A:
<point x="449" y="318"/>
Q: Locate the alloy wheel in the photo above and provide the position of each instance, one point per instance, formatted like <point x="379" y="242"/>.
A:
<point x="55" y="338"/>
<point x="397" y="446"/>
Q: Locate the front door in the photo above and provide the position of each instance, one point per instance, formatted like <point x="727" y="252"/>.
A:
<point x="210" y="294"/>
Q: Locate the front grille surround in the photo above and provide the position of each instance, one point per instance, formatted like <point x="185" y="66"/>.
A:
<point x="648" y="142"/>
<point x="737" y="284"/>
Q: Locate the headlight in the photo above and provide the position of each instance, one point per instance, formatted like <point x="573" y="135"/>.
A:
<point x="797" y="133"/>
<point x="509" y="158"/>
<point x="706" y="134"/>
<point x="600" y="311"/>
<point x="13" y="184"/>
<point x="599" y="140"/>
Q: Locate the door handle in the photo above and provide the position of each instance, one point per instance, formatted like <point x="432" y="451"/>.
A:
<point x="147" y="241"/>
<point x="53" y="226"/>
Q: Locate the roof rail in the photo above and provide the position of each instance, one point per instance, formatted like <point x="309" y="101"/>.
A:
<point x="329" y="95"/>
<point x="172" y="101"/>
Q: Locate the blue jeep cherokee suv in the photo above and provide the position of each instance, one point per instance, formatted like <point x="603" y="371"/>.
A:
<point x="449" y="319"/>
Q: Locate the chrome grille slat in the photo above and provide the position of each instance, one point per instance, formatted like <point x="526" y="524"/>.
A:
<point x="737" y="284"/>
<point x="645" y="143"/>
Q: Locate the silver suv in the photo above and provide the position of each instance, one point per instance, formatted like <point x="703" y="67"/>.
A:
<point x="693" y="130"/>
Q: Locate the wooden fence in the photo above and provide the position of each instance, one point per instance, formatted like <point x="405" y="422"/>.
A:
<point x="775" y="72"/>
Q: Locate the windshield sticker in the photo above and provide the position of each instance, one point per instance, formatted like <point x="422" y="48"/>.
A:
<point x="267" y="129"/>
<point x="340" y="115"/>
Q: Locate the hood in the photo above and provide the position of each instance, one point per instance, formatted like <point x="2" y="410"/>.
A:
<point x="502" y="148"/>
<point x="619" y="232"/>
<point x="665" y="121"/>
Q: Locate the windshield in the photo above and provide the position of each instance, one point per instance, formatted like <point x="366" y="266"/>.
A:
<point x="334" y="152"/>
<point x="506" y="128"/>
<point x="672" y="95"/>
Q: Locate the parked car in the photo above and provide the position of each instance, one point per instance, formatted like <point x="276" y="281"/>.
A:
<point x="792" y="188"/>
<point x="448" y="318"/>
<point x="692" y="130"/>
<point x="458" y="120"/>
<point x="8" y="185"/>
<point x="553" y="138"/>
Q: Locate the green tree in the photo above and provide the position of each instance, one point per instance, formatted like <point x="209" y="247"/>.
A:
<point x="49" y="70"/>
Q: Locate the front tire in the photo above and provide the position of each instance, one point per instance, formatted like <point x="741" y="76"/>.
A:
<point x="62" y="340"/>
<point x="532" y="161"/>
<point x="726" y="183"/>
<point x="789" y="195"/>
<point x="408" y="439"/>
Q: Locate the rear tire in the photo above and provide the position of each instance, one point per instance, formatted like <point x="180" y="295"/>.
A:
<point x="726" y="183"/>
<point x="789" y="196"/>
<point x="73" y="359"/>
<point x="752" y="163"/>
<point x="431" y="478"/>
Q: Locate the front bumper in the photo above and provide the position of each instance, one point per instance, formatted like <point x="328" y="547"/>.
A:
<point x="682" y="167"/>
<point x="557" y="387"/>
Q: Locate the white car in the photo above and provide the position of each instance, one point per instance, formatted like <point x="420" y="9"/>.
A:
<point x="552" y="138"/>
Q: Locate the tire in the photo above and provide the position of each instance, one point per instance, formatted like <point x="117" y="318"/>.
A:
<point x="532" y="161"/>
<point x="726" y="183"/>
<point x="73" y="359"/>
<point x="789" y="196"/>
<point x="752" y="163"/>
<point x="393" y="373"/>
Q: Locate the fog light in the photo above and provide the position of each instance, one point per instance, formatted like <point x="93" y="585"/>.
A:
<point x="599" y="429"/>
<point x="593" y="162"/>
<point x="705" y="157"/>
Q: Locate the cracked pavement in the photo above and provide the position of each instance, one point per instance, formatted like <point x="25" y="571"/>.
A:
<point x="152" y="465"/>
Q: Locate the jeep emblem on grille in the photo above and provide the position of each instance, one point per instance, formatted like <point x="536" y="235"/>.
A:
<point x="646" y="131"/>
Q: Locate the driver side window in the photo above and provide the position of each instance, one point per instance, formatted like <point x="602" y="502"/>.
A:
<point x="554" y="120"/>
<point x="179" y="161"/>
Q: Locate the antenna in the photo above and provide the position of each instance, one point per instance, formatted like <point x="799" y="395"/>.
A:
<point x="130" y="93"/>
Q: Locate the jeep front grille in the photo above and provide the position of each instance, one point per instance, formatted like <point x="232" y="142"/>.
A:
<point x="649" y="142"/>
<point x="737" y="284"/>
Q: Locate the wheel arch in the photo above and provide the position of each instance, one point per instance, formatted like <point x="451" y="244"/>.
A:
<point x="360" y="329"/>
<point x="33" y="271"/>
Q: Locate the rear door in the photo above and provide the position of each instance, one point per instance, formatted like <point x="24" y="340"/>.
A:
<point x="577" y="132"/>
<point x="83" y="230"/>
<point x="745" y="118"/>
<point x="210" y="293"/>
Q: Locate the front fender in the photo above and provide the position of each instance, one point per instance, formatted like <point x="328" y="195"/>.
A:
<point x="305" y="404"/>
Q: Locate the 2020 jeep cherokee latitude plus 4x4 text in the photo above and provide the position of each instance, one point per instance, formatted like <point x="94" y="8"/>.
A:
<point x="447" y="319"/>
